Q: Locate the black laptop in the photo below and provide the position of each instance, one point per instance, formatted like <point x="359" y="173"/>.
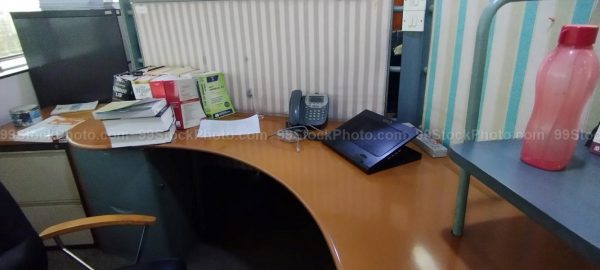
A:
<point x="373" y="142"/>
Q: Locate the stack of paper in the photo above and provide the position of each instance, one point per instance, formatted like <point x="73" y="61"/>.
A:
<point x="220" y="128"/>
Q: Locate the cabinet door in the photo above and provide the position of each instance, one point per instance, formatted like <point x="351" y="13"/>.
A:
<point x="43" y="185"/>
<point x="125" y="181"/>
<point x="38" y="176"/>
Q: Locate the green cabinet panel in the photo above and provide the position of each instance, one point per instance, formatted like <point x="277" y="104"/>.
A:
<point x="126" y="181"/>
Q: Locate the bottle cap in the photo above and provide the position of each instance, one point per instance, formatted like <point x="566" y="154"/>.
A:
<point x="578" y="34"/>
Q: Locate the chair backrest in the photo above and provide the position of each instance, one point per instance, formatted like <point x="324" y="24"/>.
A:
<point x="20" y="245"/>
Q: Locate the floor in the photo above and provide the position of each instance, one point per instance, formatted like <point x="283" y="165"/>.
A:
<point x="57" y="260"/>
<point x="202" y="257"/>
<point x="262" y="229"/>
<point x="508" y="241"/>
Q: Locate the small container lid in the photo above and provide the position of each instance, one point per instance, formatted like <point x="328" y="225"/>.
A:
<point x="24" y="108"/>
<point x="578" y="34"/>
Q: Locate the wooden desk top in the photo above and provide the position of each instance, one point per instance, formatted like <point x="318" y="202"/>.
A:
<point x="394" y="219"/>
<point x="8" y="132"/>
<point x="361" y="216"/>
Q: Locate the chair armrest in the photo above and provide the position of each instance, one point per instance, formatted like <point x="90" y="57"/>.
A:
<point x="95" y="222"/>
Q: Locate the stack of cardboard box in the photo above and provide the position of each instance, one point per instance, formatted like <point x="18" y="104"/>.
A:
<point x="191" y="93"/>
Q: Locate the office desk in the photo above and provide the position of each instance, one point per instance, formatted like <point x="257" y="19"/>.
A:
<point x="394" y="219"/>
<point x="9" y="131"/>
<point x="361" y="217"/>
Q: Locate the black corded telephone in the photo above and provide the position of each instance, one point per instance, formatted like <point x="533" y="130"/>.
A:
<point x="309" y="110"/>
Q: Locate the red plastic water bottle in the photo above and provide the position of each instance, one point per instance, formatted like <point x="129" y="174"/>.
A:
<point x="563" y="85"/>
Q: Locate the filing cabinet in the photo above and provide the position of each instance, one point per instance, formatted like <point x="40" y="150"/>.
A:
<point x="43" y="185"/>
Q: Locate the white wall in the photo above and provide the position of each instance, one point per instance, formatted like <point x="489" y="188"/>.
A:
<point x="593" y="116"/>
<point x="338" y="48"/>
<point x="15" y="90"/>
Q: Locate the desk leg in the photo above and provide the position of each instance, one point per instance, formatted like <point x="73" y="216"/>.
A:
<point x="461" y="202"/>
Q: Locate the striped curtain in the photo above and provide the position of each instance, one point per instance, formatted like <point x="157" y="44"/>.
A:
<point x="271" y="47"/>
<point x="522" y="34"/>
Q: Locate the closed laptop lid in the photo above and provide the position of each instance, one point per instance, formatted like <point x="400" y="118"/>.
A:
<point x="373" y="133"/>
<point x="373" y="142"/>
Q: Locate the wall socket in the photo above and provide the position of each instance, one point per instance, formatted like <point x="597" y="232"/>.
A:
<point x="413" y="16"/>
<point x="413" y="21"/>
<point x="410" y="5"/>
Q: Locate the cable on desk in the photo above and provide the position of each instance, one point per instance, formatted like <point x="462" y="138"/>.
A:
<point x="295" y="134"/>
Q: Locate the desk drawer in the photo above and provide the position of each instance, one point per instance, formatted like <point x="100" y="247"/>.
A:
<point x="37" y="177"/>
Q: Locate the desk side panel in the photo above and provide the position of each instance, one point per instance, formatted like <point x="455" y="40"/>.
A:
<point x="122" y="181"/>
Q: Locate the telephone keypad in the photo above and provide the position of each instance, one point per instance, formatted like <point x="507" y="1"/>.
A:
<point x="315" y="116"/>
<point x="315" y="109"/>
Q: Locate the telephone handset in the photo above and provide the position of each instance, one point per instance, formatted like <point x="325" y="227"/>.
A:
<point x="309" y="110"/>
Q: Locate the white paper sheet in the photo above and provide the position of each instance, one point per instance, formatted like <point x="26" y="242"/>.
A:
<point x="219" y="128"/>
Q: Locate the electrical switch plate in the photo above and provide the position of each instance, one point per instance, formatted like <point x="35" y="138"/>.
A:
<point x="413" y="21"/>
<point x="410" y="5"/>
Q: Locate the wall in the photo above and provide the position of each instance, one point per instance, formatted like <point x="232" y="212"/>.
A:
<point x="15" y="90"/>
<point x="593" y="117"/>
<point x="523" y="33"/>
<point x="340" y="48"/>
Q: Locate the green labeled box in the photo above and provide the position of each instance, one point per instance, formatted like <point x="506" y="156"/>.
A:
<point x="214" y="95"/>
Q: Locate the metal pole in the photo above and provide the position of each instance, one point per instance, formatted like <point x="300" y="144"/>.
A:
<point x="138" y="255"/>
<point x="411" y="87"/>
<point x="479" y="59"/>
<point x="70" y="254"/>
<point x="395" y="68"/>
<point x="460" y="207"/>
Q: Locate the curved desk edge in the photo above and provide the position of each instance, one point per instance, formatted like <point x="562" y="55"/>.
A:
<point x="352" y="210"/>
